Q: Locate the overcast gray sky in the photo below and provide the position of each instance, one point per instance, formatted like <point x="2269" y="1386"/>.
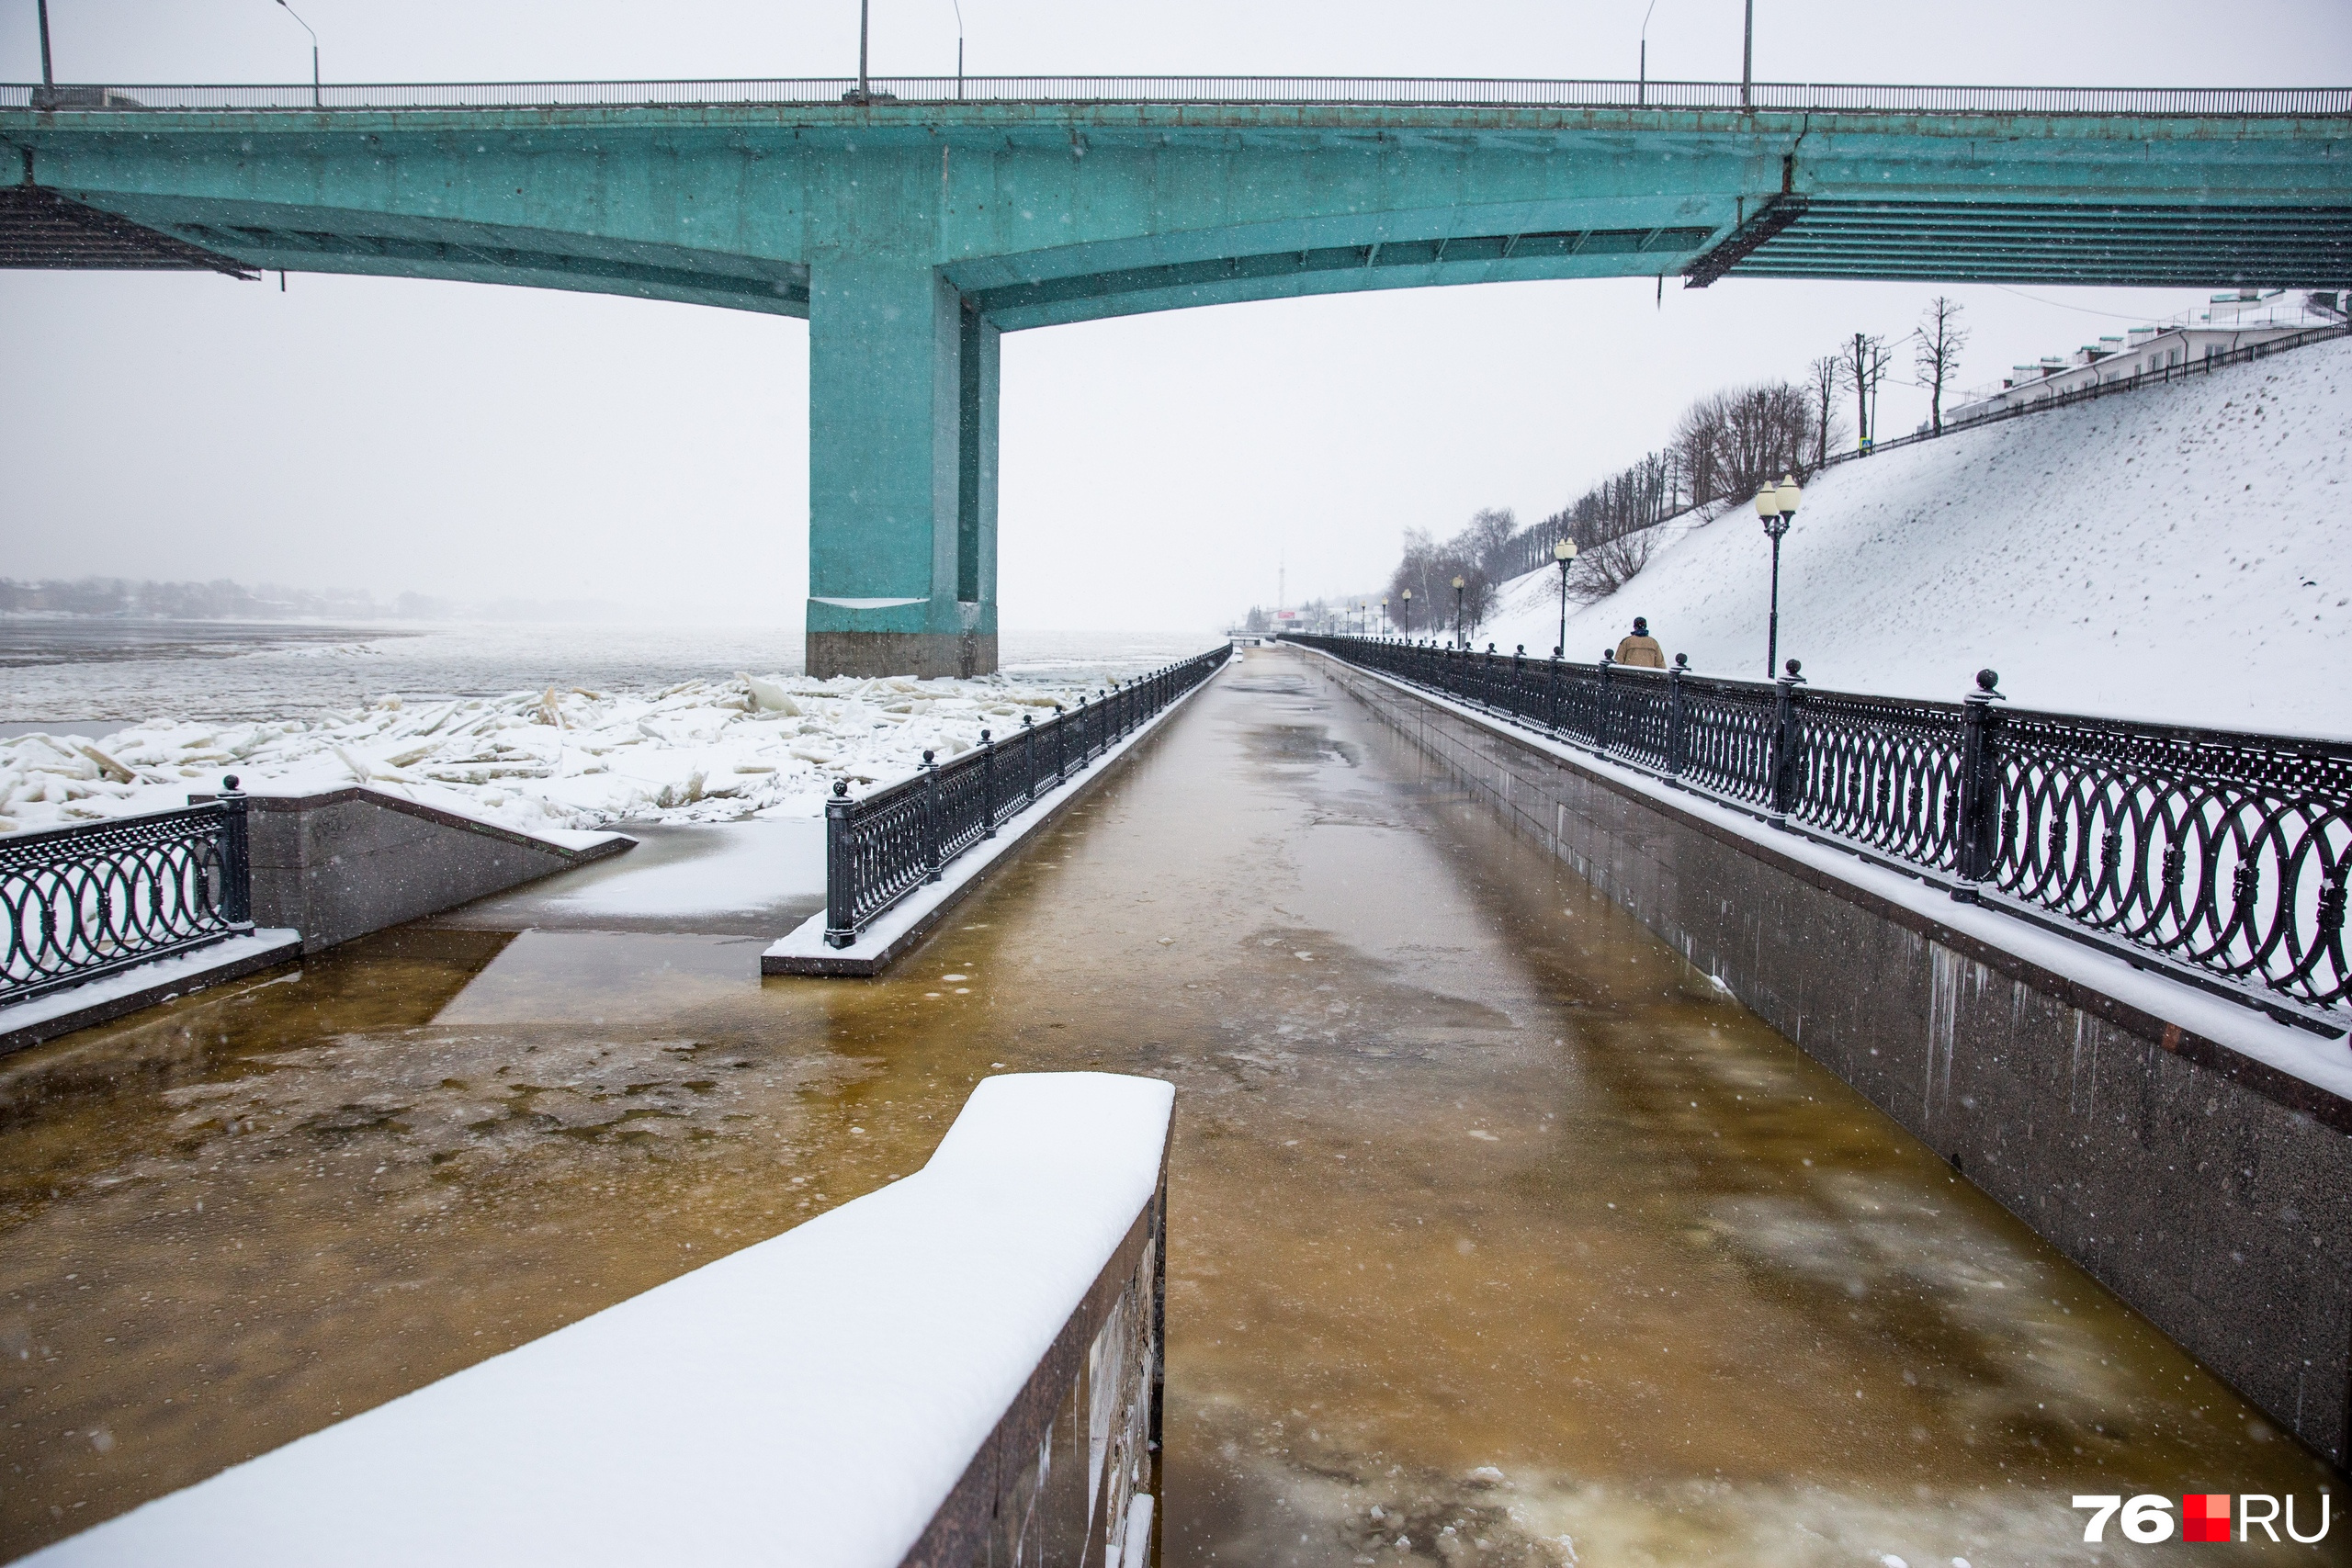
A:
<point x="483" y="442"/>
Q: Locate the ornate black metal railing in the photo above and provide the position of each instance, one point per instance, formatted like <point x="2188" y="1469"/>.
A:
<point x="881" y="847"/>
<point x="2221" y="856"/>
<point x="82" y="902"/>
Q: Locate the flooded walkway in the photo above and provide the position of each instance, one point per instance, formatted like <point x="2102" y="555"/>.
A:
<point x="1497" y="1234"/>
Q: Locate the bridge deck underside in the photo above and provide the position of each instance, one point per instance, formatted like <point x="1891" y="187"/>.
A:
<point x="40" y="229"/>
<point x="2182" y="245"/>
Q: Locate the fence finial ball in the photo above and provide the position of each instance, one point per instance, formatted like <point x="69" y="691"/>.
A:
<point x="1682" y="661"/>
<point x="229" y="781"/>
<point x="926" y="759"/>
<point x="984" y="736"/>
<point x="1988" y="679"/>
<point x="841" y="787"/>
<point x="1794" y="668"/>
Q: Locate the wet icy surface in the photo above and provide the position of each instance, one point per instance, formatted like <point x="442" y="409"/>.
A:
<point x="1497" y="1235"/>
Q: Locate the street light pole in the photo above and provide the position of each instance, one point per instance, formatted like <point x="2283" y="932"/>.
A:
<point x="1565" y="552"/>
<point x="47" y="80"/>
<point x="1408" y="609"/>
<point x="314" y="47"/>
<point x="1458" y="638"/>
<point x="1778" y="508"/>
<point x="1747" y="60"/>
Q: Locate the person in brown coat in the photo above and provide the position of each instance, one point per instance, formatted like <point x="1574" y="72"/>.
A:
<point x="1641" y="649"/>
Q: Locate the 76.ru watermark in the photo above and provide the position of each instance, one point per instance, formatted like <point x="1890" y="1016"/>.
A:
<point x="2204" y="1516"/>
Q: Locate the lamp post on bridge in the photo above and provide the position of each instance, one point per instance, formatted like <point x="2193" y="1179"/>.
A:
<point x="1386" y="625"/>
<point x="1459" y="584"/>
<point x="290" y="10"/>
<point x="1408" y="609"/>
<point x="1778" y="508"/>
<point x="1565" y="552"/>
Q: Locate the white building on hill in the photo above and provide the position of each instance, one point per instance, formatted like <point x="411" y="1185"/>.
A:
<point x="2236" y="320"/>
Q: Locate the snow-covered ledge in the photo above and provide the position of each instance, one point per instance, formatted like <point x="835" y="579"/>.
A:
<point x="960" y="1368"/>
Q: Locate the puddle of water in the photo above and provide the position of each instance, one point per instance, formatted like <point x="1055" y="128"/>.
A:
<point x="1487" y="1212"/>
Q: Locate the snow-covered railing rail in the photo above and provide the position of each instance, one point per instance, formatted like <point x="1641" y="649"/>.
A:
<point x="881" y="847"/>
<point x="2217" y="857"/>
<point x="886" y="92"/>
<point x="81" y="902"/>
<point x="957" y="1370"/>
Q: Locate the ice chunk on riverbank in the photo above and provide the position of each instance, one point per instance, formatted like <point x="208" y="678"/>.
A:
<point x="696" y="751"/>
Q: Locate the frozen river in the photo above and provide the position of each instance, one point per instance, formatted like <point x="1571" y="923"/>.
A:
<point x="102" y="671"/>
<point x="1497" y="1234"/>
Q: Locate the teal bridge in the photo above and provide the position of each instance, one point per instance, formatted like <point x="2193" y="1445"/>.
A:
<point x="912" y="223"/>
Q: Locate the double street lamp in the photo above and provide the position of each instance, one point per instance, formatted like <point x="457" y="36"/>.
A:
<point x="1777" y="505"/>
<point x="1565" y="552"/>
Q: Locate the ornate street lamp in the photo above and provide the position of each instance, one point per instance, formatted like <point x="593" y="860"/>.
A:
<point x="1565" y="552"/>
<point x="1408" y="609"/>
<point x="1777" y="505"/>
<point x="1459" y="584"/>
<point x="1386" y="625"/>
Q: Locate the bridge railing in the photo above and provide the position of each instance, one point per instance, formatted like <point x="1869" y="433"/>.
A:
<point x="2218" y="857"/>
<point x="1308" y="91"/>
<point x="80" y="903"/>
<point x="880" y="848"/>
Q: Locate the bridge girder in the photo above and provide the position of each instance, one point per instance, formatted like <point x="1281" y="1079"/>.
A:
<point x="912" y="235"/>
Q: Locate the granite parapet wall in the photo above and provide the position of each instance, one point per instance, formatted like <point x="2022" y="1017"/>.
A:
<point x="348" y="862"/>
<point x="2211" y="1191"/>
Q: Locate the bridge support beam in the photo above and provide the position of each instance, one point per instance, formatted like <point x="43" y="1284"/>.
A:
<point x="902" y="472"/>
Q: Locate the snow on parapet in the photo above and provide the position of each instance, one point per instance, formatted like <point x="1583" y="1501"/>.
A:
<point x="809" y="1400"/>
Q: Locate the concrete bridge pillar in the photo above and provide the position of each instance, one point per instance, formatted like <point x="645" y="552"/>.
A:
<point x="902" y="470"/>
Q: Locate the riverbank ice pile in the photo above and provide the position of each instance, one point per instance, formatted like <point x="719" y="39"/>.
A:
<point x="697" y="752"/>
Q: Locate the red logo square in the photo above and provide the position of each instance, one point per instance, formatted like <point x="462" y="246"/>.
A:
<point x="2205" y="1515"/>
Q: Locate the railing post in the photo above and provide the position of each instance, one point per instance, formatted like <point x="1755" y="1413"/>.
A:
<point x="933" y="851"/>
<point x="1603" y="705"/>
<point x="1973" y="856"/>
<point x="236" y="858"/>
<point x="1783" y="780"/>
<point x="1029" y="759"/>
<point x="1674" y="715"/>
<point x="1518" y="681"/>
<point x="1062" y="745"/>
<point x="987" y="786"/>
<point x="1551" y="693"/>
<point x="841" y="870"/>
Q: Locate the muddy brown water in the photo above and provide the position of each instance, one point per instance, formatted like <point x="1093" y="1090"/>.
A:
<point x="1499" y="1234"/>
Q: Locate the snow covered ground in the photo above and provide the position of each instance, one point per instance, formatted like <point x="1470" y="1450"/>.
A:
<point x="2179" y="553"/>
<point x="700" y="750"/>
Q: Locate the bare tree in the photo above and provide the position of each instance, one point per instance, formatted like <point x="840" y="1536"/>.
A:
<point x="1827" y="374"/>
<point x="1429" y="568"/>
<point x="1934" y="353"/>
<point x="1732" y="443"/>
<point x="1862" y="364"/>
<point x="1610" y="564"/>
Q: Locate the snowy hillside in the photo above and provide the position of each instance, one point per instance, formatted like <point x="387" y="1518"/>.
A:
<point x="2178" y="553"/>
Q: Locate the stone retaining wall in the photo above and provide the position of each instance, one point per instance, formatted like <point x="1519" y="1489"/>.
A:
<point x="349" y="861"/>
